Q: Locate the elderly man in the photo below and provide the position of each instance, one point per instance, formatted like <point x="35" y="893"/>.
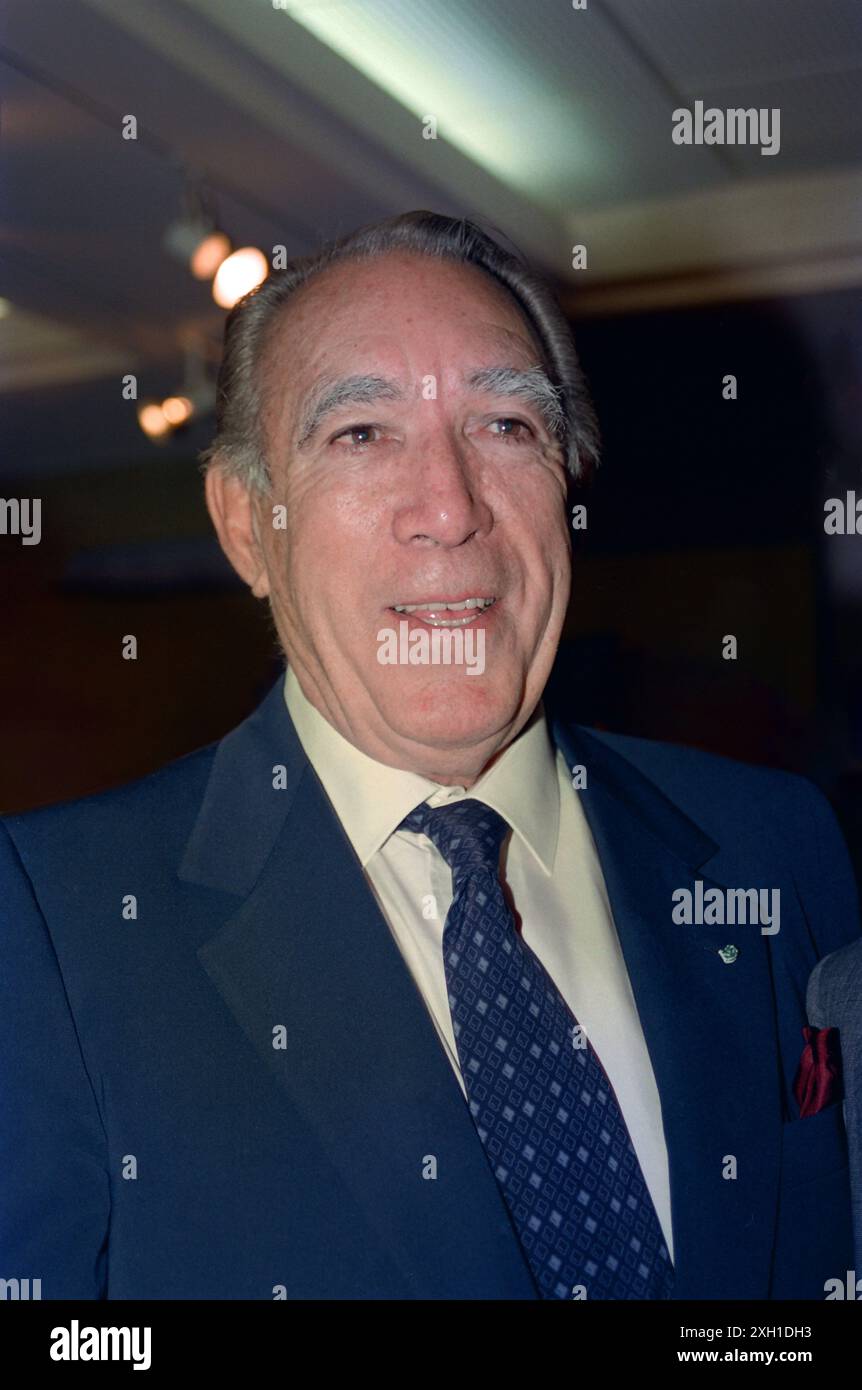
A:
<point x="427" y="992"/>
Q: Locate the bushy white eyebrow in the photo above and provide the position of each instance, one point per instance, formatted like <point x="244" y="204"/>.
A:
<point x="532" y="385"/>
<point x="348" y="390"/>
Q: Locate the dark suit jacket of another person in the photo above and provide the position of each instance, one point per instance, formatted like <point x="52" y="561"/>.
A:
<point x="155" y="1144"/>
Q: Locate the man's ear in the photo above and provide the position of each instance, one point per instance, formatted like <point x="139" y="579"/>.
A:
<point x="232" y="510"/>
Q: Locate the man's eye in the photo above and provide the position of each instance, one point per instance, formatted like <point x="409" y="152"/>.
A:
<point x="510" y="428"/>
<point x="358" y="435"/>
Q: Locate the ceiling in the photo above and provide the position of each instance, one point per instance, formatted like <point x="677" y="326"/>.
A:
<point x="306" y="117"/>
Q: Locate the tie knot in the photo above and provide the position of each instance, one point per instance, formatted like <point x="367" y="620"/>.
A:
<point x="467" y="833"/>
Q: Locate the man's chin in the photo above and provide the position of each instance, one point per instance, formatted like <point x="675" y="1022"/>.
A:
<point x="451" y="712"/>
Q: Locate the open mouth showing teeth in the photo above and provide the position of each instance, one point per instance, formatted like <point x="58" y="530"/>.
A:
<point x="441" y="614"/>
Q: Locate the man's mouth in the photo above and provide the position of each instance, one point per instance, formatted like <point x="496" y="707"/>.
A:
<point x="446" y="612"/>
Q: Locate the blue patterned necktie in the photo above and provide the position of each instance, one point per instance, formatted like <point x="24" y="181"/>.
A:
<point x="544" y="1109"/>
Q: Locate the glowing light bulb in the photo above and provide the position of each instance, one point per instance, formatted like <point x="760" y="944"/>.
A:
<point x="176" y="410"/>
<point x="152" y="420"/>
<point x="208" y="255"/>
<point x="241" y="272"/>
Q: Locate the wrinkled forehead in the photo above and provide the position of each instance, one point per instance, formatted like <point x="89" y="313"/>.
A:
<point x="359" y="313"/>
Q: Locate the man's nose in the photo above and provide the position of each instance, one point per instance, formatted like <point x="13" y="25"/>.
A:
<point x="442" y="504"/>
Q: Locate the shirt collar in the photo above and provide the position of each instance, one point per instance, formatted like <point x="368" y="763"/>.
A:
<point x="371" y="799"/>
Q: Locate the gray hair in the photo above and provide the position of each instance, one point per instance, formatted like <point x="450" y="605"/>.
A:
<point x="239" y="445"/>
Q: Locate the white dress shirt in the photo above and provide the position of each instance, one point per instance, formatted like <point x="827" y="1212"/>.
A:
<point x="552" y="869"/>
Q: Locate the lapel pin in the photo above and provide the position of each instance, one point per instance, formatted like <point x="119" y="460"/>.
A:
<point x="729" y="954"/>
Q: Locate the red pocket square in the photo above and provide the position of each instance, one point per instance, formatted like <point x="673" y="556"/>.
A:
<point x="818" y="1080"/>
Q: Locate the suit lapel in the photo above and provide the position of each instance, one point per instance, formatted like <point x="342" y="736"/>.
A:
<point x="708" y="1026"/>
<point x="305" y="947"/>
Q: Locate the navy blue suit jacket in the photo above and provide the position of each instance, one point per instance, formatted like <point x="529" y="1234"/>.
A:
<point x="155" y="1144"/>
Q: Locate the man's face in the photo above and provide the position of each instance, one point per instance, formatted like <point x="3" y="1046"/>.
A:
<point x="429" y="482"/>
